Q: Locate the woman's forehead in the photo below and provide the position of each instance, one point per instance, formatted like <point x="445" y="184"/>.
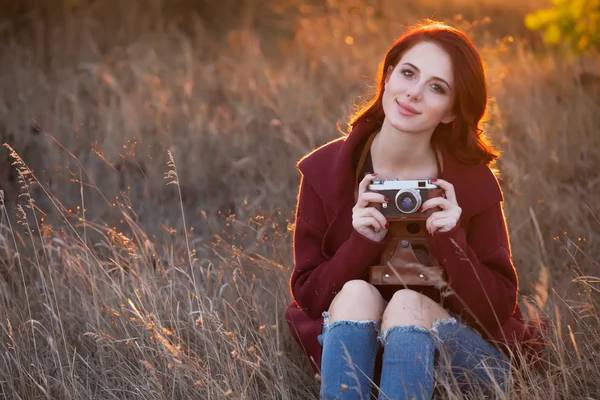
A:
<point x="431" y="60"/>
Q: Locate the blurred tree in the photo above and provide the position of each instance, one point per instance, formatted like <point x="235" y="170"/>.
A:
<point x="575" y="23"/>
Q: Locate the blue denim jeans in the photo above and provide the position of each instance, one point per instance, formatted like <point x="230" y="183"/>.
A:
<point x="413" y="359"/>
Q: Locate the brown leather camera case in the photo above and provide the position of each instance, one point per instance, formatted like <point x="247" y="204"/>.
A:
<point x="407" y="260"/>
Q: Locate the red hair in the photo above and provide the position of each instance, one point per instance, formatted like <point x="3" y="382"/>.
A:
<point x="462" y="138"/>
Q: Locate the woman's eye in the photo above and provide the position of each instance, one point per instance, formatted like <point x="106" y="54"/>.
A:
<point x="438" y="89"/>
<point x="408" y="73"/>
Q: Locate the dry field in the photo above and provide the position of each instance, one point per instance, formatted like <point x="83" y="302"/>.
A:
<point x="149" y="185"/>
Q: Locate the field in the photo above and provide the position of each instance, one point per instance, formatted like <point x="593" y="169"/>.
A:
<point x="148" y="187"/>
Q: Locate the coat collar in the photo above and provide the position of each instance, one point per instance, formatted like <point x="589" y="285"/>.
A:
<point x="330" y="171"/>
<point x="329" y="168"/>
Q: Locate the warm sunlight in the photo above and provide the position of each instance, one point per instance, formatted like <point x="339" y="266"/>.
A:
<point x="155" y="233"/>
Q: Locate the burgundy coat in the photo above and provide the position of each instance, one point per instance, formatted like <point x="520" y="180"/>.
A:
<point x="329" y="252"/>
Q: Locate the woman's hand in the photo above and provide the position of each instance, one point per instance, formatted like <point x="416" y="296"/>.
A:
<point x="449" y="215"/>
<point x="369" y="221"/>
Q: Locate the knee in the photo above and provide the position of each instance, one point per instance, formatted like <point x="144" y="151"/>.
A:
<point x="407" y="298"/>
<point x="359" y="291"/>
<point x="357" y="300"/>
<point x="408" y="307"/>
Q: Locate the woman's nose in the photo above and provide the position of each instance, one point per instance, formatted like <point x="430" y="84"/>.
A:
<point x="414" y="92"/>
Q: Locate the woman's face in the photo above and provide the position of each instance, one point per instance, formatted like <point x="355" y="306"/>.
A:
<point x="419" y="92"/>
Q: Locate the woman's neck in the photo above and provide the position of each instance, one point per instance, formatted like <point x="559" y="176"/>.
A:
<point x="397" y="154"/>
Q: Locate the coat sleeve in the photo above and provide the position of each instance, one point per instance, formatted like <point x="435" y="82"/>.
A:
<point x="482" y="281"/>
<point x="316" y="278"/>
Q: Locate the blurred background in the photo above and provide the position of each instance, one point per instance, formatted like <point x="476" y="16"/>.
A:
<point x="149" y="181"/>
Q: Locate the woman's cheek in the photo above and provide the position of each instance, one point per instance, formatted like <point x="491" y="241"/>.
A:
<point x="441" y="108"/>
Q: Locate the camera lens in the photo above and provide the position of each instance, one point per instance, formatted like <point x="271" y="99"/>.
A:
<point x="408" y="201"/>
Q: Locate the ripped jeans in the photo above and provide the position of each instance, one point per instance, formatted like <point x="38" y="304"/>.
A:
<point x="413" y="358"/>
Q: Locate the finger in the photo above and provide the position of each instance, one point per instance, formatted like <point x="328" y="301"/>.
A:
<point x="428" y="225"/>
<point x="373" y="197"/>
<point x="363" y="222"/>
<point x="362" y="188"/>
<point x="440" y="215"/>
<point x="374" y="213"/>
<point x="442" y="224"/>
<point x="440" y="202"/>
<point x="448" y="188"/>
<point x="434" y="216"/>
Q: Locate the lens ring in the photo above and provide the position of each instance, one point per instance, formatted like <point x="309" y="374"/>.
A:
<point x="408" y="200"/>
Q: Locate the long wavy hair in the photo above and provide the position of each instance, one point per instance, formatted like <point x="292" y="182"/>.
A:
<point x="462" y="138"/>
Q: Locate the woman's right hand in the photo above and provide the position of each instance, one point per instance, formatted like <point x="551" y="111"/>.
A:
<point x="368" y="220"/>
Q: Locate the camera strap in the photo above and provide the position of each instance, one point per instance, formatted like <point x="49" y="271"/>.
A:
<point x="361" y="163"/>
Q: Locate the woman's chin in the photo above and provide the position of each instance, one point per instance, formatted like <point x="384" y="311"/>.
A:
<point x="403" y="126"/>
<point x="411" y="127"/>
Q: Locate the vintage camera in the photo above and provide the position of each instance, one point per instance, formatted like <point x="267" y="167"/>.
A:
<point x="406" y="197"/>
<point x="407" y="259"/>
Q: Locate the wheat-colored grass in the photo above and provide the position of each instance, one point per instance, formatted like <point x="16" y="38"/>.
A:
<point x="145" y="228"/>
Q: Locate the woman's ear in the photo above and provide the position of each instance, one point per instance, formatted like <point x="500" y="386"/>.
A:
<point x="448" y="118"/>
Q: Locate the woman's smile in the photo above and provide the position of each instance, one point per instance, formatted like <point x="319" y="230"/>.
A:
<point x="406" y="110"/>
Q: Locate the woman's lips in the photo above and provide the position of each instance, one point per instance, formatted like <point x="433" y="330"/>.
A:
<point x="406" y="110"/>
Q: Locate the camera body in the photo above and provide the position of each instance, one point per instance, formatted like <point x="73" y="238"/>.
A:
<point x="406" y="197"/>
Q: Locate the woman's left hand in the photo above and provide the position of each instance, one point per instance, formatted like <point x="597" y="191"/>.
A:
<point x="449" y="215"/>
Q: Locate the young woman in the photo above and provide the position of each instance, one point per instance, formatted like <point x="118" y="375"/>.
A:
<point x="423" y="123"/>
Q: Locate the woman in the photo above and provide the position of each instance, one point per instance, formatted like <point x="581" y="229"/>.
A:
<point x="422" y="124"/>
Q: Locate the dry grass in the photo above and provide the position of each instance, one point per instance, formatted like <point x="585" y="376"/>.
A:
<point x="107" y="291"/>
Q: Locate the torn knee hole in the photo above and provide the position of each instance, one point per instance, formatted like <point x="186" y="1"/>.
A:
<point x="415" y="328"/>
<point x="327" y="322"/>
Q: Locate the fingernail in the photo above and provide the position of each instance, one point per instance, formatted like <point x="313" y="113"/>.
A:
<point x="374" y="173"/>
<point x="421" y="209"/>
<point x="387" y="225"/>
<point x="386" y="199"/>
<point x="434" y="180"/>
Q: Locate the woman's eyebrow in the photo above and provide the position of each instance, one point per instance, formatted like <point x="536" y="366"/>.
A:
<point x="434" y="77"/>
